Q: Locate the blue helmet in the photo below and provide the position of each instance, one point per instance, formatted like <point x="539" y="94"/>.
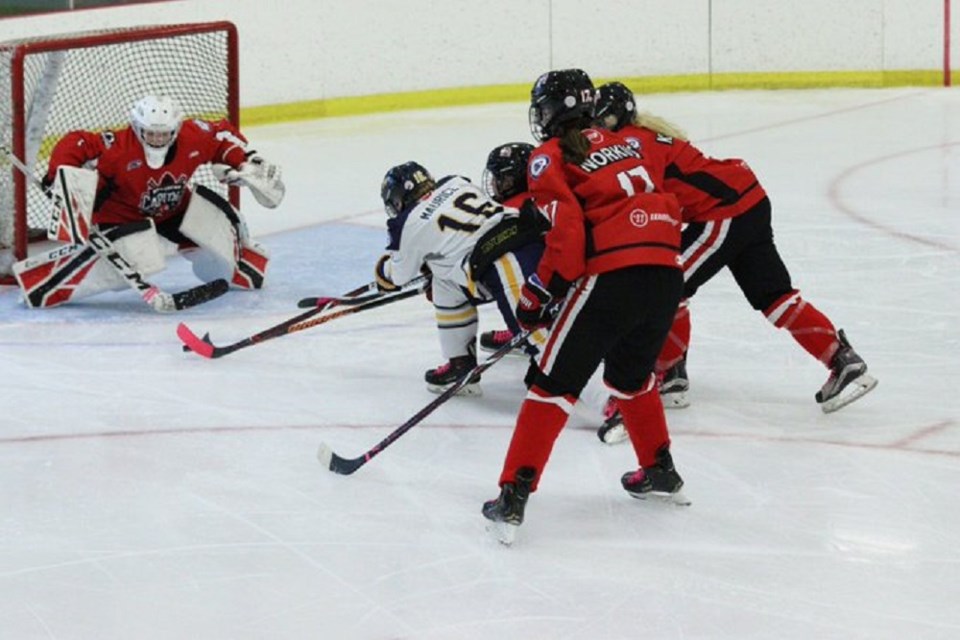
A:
<point x="403" y="185"/>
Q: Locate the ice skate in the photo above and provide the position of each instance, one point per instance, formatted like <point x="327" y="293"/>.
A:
<point x="493" y="340"/>
<point x="674" y="386"/>
<point x="848" y="379"/>
<point x="439" y="379"/>
<point x="660" y="481"/>
<point x="506" y="512"/>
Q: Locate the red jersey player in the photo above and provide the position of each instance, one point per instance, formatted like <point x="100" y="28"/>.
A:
<point x="612" y="260"/>
<point x="728" y="224"/>
<point x="142" y="202"/>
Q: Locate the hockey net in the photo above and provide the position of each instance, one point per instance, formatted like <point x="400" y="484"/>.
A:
<point x="90" y="80"/>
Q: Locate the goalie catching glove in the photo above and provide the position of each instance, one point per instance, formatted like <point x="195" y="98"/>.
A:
<point x="261" y="177"/>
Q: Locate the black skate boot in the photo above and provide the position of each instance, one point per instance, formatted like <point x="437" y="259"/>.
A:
<point x="848" y="379"/>
<point x="446" y="374"/>
<point x="660" y="480"/>
<point x="506" y="512"/>
<point x="674" y="386"/>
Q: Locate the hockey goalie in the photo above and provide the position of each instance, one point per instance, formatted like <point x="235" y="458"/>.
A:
<point x="121" y="203"/>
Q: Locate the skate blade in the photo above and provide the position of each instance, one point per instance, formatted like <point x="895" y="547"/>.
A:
<point x="851" y="393"/>
<point x="472" y="389"/>
<point x="612" y="435"/>
<point x="675" y="400"/>
<point x="676" y="498"/>
<point x="503" y="532"/>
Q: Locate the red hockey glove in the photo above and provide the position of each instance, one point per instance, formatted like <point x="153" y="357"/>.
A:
<point x="533" y="309"/>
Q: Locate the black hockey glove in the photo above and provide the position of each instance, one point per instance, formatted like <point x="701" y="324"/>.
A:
<point x="532" y="219"/>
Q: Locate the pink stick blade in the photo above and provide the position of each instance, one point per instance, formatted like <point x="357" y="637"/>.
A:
<point x="195" y="344"/>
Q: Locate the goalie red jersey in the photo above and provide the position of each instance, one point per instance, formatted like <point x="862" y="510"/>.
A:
<point x="128" y="189"/>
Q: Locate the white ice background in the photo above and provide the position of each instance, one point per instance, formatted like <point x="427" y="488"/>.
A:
<point x="147" y="493"/>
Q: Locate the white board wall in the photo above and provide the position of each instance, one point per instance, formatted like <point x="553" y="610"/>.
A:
<point x="321" y="49"/>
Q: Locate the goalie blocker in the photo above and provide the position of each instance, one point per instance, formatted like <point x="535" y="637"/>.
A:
<point x="73" y="272"/>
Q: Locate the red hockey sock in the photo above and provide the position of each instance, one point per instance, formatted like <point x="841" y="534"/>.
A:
<point x="809" y="327"/>
<point x="677" y="340"/>
<point x="646" y="424"/>
<point x="541" y="419"/>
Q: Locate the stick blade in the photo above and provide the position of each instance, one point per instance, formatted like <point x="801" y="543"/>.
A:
<point x="310" y="303"/>
<point x="200" y="346"/>
<point x="335" y="463"/>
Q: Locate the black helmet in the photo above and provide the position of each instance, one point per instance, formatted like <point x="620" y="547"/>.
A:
<point x="558" y="98"/>
<point x="506" y="172"/>
<point x="403" y="185"/>
<point x="615" y="106"/>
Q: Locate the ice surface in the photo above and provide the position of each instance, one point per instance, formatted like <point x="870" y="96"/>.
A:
<point x="148" y="493"/>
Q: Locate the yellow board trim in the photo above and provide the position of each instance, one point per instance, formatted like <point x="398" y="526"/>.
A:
<point x="384" y="103"/>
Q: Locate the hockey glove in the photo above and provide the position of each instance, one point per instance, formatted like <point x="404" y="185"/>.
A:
<point x="533" y="309"/>
<point x="428" y="286"/>
<point x="262" y="178"/>
<point x="384" y="283"/>
<point x="531" y="218"/>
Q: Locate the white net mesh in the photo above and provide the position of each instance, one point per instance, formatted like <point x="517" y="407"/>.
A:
<point x="89" y="81"/>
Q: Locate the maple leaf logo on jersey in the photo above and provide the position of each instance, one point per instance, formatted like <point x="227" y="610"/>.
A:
<point x="162" y="195"/>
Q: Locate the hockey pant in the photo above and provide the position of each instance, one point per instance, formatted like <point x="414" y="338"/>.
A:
<point x="745" y="245"/>
<point x="455" y="305"/>
<point x="227" y="250"/>
<point x="456" y="318"/>
<point x="502" y="282"/>
<point x="72" y="272"/>
<point x="619" y="318"/>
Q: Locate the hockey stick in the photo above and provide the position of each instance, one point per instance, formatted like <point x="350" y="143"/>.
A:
<point x="158" y="299"/>
<point x="346" y="466"/>
<point x="205" y="348"/>
<point x="354" y="296"/>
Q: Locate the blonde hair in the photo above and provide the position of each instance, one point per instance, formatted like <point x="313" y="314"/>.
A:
<point x="660" y="125"/>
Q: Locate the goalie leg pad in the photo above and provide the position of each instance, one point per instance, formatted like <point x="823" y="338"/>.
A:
<point x="140" y="245"/>
<point x="251" y="268"/>
<point x="73" y="272"/>
<point x="217" y="228"/>
<point x="73" y="193"/>
<point x="52" y="279"/>
<point x="213" y="224"/>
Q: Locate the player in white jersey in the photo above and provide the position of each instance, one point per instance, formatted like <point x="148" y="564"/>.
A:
<point x="475" y="249"/>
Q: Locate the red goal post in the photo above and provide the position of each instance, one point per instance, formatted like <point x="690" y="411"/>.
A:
<point x="54" y="84"/>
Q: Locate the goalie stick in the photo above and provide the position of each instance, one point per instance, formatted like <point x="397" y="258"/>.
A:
<point x="158" y="299"/>
<point x="205" y="348"/>
<point x="346" y="466"/>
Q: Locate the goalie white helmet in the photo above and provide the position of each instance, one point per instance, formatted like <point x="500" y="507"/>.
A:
<point x="156" y="122"/>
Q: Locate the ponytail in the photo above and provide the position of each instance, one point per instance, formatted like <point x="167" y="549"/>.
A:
<point x="647" y="120"/>
<point x="574" y="145"/>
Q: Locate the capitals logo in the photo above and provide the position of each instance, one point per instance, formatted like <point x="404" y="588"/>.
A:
<point x="162" y="195"/>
